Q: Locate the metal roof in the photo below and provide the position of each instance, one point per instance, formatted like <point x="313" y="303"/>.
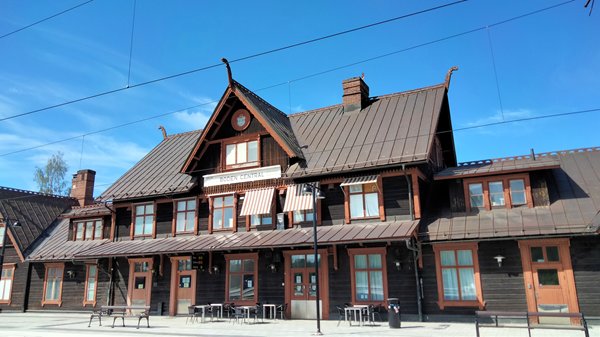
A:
<point x="515" y="164"/>
<point x="574" y="212"/>
<point x="35" y="212"/>
<point x="338" y="234"/>
<point x="88" y="211"/>
<point x="57" y="247"/>
<point x="158" y="172"/>
<point x="392" y="129"/>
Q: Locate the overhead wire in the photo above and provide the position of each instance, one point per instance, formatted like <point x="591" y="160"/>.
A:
<point x="244" y="58"/>
<point x="45" y="19"/>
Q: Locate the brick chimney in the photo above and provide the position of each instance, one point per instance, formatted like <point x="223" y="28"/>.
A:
<point x="83" y="187"/>
<point x="356" y="94"/>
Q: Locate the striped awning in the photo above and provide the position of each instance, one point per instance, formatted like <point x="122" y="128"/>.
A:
<point x="258" y="201"/>
<point x="359" y="180"/>
<point x="296" y="199"/>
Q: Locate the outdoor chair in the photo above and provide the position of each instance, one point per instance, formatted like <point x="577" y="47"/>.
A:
<point x="281" y="309"/>
<point x="258" y="312"/>
<point x="238" y="313"/>
<point x="375" y="311"/>
<point x="228" y="309"/>
<point x="193" y="314"/>
<point x="341" y="314"/>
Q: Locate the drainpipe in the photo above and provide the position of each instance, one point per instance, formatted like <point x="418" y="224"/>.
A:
<point x="109" y="300"/>
<point x="410" y="193"/>
<point x="416" y="250"/>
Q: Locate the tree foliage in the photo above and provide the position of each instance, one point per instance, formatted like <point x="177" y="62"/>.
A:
<point x="51" y="178"/>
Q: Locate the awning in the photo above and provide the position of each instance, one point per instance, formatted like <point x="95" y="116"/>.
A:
<point x="296" y="199"/>
<point x="359" y="180"/>
<point x="258" y="201"/>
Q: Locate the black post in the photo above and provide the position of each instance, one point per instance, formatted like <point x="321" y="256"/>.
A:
<point x="314" y="200"/>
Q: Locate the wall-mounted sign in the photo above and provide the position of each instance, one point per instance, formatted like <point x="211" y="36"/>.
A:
<point x="261" y="173"/>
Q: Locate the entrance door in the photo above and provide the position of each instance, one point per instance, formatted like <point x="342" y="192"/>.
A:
<point x="548" y="277"/>
<point x="301" y="286"/>
<point x="183" y="285"/>
<point x="140" y="281"/>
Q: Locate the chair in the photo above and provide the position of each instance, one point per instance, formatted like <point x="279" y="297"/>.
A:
<point x="258" y="312"/>
<point x="193" y="314"/>
<point x="209" y="310"/>
<point x="341" y="314"/>
<point x="237" y="314"/>
<point x="281" y="309"/>
<point x="376" y="311"/>
<point x="366" y="314"/>
<point x="228" y="309"/>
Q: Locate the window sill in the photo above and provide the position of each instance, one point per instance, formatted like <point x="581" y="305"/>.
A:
<point x="476" y="304"/>
<point x="59" y="303"/>
<point x="238" y="167"/>
<point x="8" y="302"/>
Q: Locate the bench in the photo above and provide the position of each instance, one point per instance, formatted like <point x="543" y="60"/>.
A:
<point x="528" y="317"/>
<point x="122" y="311"/>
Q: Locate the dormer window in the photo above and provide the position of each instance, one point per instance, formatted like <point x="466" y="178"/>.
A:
<point x="498" y="192"/>
<point x="144" y="220"/>
<point x="88" y="230"/>
<point x="241" y="154"/>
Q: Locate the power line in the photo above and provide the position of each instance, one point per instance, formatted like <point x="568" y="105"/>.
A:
<point x="45" y="19"/>
<point x="299" y="78"/>
<point x="244" y="58"/>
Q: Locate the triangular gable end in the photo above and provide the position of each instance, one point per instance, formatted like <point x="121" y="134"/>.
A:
<point x="274" y="121"/>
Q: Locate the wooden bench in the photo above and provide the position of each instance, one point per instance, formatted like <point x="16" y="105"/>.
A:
<point x="122" y="311"/>
<point x="528" y="317"/>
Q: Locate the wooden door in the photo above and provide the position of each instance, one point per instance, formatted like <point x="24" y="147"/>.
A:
<point x="548" y="276"/>
<point x="301" y="286"/>
<point x="183" y="285"/>
<point x="140" y="281"/>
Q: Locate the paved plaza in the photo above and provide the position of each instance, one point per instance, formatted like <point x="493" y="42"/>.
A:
<point x="64" y="324"/>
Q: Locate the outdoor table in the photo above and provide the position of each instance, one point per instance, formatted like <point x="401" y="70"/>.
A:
<point x="218" y="306"/>
<point x="272" y="310"/>
<point x="203" y="309"/>
<point x="247" y="310"/>
<point x="355" y="312"/>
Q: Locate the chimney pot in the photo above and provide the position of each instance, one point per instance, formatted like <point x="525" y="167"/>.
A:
<point x="356" y="94"/>
<point x="83" y="187"/>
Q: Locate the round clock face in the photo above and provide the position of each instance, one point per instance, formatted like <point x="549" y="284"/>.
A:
<point x="240" y="119"/>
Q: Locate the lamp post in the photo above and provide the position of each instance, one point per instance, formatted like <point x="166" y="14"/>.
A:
<point x="4" y="235"/>
<point x="312" y="189"/>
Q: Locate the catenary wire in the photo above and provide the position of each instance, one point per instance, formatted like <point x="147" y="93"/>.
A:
<point x="297" y="79"/>
<point x="321" y="38"/>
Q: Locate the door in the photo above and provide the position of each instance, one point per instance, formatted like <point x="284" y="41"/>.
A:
<point x="548" y="278"/>
<point x="301" y="285"/>
<point x="140" y="281"/>
<point x="183" y="285"/>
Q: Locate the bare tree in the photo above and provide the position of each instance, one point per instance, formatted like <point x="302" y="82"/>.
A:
<point x="51" y="179"/>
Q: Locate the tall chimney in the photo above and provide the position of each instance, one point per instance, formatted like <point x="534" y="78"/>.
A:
<point x="83" y="187"/>
<point x="356" y="94"/>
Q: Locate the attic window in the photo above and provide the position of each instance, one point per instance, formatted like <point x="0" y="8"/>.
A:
<point x="241" y="154"/>
<point x="506" y="191"/>
<point x="88" y="230"/>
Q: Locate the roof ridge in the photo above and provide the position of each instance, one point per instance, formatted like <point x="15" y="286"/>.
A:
<point x="96" y="204"/>
<point x="175" y="135"/>
<point x="529" y="156"/>
<point x="260" y="98"/>
<point x="12" y="189"/>
<point x="399" y="93"/>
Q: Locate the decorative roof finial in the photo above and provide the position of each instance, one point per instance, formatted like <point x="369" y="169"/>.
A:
<point x="164" y="131"/>
<point x="229" y="77"/>
<point x="449" y="75"/>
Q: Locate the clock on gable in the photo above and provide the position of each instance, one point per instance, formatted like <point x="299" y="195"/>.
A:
<point x="240" y="120"/>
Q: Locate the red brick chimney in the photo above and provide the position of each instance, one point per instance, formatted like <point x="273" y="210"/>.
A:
<point x="356" y="94"/>
<point x="83" y="187"/>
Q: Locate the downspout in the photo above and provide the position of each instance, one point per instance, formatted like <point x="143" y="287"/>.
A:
<point x="410" y="193"/>
<point x="109" y="299"/>
<point x="416" y="250"/>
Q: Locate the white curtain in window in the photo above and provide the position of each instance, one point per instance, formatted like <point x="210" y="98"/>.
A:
<point x="356" y="206"/>
<point x="450" y="281"/>
<point x="230" y="154"/>
<point x="447" y="257"/>
<point x="242" y="156"/>
<point x="371" y="204"/>
<point x="228" y="217"/>
<point x="465" y="258"/>
<point x="376" y="285"/>
<point x="467" y="284"/>
<point x="252" y="151"/>
<point x="5" y="287"/>
<point x="360" y="261"/>
<point x="218" y="218"/>
<point x="362" y="286"/>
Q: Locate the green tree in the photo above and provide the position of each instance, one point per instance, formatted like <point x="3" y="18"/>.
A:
<point x="51" y="179"/>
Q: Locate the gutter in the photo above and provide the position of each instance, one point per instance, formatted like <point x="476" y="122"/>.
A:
<point x="415" y="247"/>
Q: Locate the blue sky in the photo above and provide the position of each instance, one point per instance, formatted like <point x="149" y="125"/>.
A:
<point x="546" y="63"/>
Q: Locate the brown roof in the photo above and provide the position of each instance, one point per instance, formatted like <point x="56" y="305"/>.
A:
<point x="392" y="129"/>
<point x="524" y="163"/>
<point x="574" y="212"/>
<point x="88" y="211"/>
<point x="158" y="172"/>
<point x="338" y="234"/>
<point x="35" y="212"/>
<point x="57" y="247"/>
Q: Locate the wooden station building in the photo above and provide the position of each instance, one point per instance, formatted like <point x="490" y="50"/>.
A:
<point x="220" y="215"/>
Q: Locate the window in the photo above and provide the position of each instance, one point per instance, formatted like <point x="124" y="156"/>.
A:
<point x="457" y="270"/>
<point x="545" y="254"/>
<point x="6" y="282"/>
<point x="500" y="191"/>
<point x="242" y="154"/>
<point x="303" y="216"/>
<point x="53" y="284"/>
<point x="2" y="233"/>
<point x="184" y="264"/>
<point x="517" y="192"/>
<point x="368" y="275"/>
<point x="185" y="216"/>
<point x="88" y="230"/>
<point x="476" y="195"/>
<point x="242" y="278"/>
<point x="223" y="212"/>
<point x="144" y="220"/>
<point x="496" y="193"/>
<point x="364" y="201"/>
<point x="91" y="280"/>
<point x="261" y="219"/>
